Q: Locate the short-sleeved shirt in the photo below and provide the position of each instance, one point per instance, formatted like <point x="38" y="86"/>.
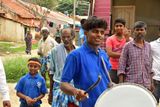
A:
<point x="84" y="65"/>
<point x="32" y="87"/>
<point x="44" y="47"/>
<point x="58" y="56"/>
<point x="116" y="46"/>
<point x="136" y="64"/>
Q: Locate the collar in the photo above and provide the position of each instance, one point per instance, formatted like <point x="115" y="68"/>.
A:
<point x="134" y="43"/>
<point x="30" y="76"/>
<point x="89" y="49"/>
<point x="116" y="37"/>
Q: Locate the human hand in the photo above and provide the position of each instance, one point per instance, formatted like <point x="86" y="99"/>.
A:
<point x="152" y="87"/>
<point x="29" y="100"/>
<point x="111" y="84"/>
<point x="35" y="100"/>
<point x="80" y="96"/>
<point x="6" y="103"/>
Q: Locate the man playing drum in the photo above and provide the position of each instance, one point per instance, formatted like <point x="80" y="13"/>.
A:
<point x="84" y="65"/>
<point x="136" y="61"/>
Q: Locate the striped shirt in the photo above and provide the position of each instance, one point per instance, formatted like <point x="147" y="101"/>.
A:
<point x="136" y="63"/>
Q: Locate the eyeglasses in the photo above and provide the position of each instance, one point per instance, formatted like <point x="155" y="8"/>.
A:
<point x="96" y="31"/>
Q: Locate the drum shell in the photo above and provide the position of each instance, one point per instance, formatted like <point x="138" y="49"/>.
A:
<point x="126" y="95"/>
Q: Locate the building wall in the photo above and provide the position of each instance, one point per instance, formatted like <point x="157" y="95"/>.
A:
<point x="102" y="10"/>
<point x="147" y="11"/>
<point x="10" y="30"/>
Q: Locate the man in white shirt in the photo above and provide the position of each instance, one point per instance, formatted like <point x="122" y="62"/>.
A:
<point x="45" y="45"/>
<point x="155" y="47"/>
<point x="3" y="87"/>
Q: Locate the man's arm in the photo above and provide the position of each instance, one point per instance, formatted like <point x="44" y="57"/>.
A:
<point x="51" y="74"/>
<point x="39" y="51"/>
<point x="50" y="95"/>
<point x="121" y="78"/>
<point x="3" y="87"/>
<point x="70" y="90"/>
<point x="123" y="64"/>
<point x="112" y="54"/>
<point x="109" y="46"/>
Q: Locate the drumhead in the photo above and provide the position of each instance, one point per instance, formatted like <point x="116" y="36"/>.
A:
<point x="126" y="95"/>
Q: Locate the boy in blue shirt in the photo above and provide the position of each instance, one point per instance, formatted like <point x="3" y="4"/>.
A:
<point x="31" y="88"/>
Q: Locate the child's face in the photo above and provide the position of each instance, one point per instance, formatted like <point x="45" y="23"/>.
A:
<point x="119" y="27"/>
<point x="33" y="68"/>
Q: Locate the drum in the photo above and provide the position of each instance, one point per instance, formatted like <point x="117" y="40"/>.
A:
<point x="126" y="95"/>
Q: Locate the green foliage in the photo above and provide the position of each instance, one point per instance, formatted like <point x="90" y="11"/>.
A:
<point x="67" y="6"/>
<point x="46" y="3"/>
<point x="12" y="47"/>
<point x="64" y="6"/>
<point x="82" y="10"/>
<point x="15" y="67"/>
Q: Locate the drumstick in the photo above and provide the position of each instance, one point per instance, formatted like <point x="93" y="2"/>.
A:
<point x="105" y="68"/>
<point x="93" y="85"/>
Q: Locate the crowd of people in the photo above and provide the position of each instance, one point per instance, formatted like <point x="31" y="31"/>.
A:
<point x="72" y="69"/>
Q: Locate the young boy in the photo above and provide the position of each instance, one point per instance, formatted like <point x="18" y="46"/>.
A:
<point x="31" y="88"/>
<point x="114" y="46"/>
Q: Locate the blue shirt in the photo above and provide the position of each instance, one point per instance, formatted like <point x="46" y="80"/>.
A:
<point x="32" y="87"/>
<point x="83" y="65"/>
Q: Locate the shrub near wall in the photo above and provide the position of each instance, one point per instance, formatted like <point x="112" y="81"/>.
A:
<point x="15" y="68"/>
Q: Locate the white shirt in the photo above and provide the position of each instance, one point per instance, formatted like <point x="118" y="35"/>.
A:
<point x="44" y="47"/>
<point x="155" y="47"/>
<point x="3" y="85"/>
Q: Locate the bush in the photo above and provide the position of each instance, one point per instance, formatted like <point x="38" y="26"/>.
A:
<point x="15" y="67"/>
